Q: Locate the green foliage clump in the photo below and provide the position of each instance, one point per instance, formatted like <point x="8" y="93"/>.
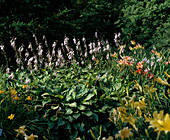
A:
<point x="139" y="20"/>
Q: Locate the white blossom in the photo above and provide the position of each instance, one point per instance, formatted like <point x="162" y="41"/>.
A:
<point x="11" y="76"/>
<point x="2" y="47"/>
<point x="66" y="39"/>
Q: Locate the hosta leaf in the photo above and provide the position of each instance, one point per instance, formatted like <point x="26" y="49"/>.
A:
<point x="82" y="127"/>
<point x="59" y="96"/>
<point x="105" y="107"/>
<point x="76" y="125"/>
<point x="82" y="107"/>
<point x="89" y="97"/>
<point x="54" y="118"/>
<point x="69" y="111"/>
<point x="73" y="104"/>
<point x="81" y="93"/>
<point x="61" y="122"/>
<point x="74" y="95"/>
<point x="54" y="107"/>
<point x="71" y="91"/>
<point x="68" y="126"/>
<point x="95" y="116"/>
<point x="50" y="124"/>
<point x="68" y="98"/>
<point x="74" y="135"/>
<point x="70" y="118"/>
<point x="87" y="113"/>
<point x="87" y="103"/>
<point x="118" y="86"/>
<point x="45" y="94"/>
<point x="45" y="102"/>
<point x="76" y="115"/>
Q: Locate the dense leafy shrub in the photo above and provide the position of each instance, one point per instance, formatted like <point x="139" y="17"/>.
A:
<point x="139" y="20"/>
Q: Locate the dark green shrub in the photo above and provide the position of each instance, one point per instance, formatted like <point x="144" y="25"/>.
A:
<point x="139" y="20"/>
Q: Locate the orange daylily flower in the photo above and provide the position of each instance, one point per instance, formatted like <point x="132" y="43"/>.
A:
<point x="29" y="98"/>
<point x="139" y="71"/>
<point x="127" y="58"/>
<point x="140" y="65"/>
<point x="150" y="76"/>
<point x="24" y="86"/>
<point x="13" y="92"/>
<point x="114" y="55"/>
<point x="16" y="98"/>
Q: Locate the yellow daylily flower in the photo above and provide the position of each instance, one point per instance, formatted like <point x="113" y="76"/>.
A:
<point x="150" y="89"/>
<point x="154" y="121"/>
<point x="13" y="92"/>
<point x="31" y="137"/>
<point x="165" y="124"/>
<point x="159" y="122"/>
<point x="141" y="104"/>
<point x="11" y="117"/>
<point x="163" y="82"/>
<point x="122" y="113"/>
<point x="21" y="130"/>
<point x="137" y="86"/>
<point x="130" y="48"/>
<point x="133" y="42"/>
<point x="131" y="120"/>
<point x="124" y="133"/>
<point x="167" y="74"/>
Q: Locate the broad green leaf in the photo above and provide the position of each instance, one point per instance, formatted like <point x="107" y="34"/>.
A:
<point x="74" y="135"/>
<point x="82" y="107"/>
<point x="45" y="102"/>
<point x="54" y="107"/>
<point x="68" y="126"/>
<point x="87" y="103"/>
<point x="81" y="128"/>
<point x="45" y="94"/>
<point x="70" y="118"/>
<point x="74" y="95"/>
<point x="87" y="113"/>
<point x="76" y="125"/>
<point x="118" y="86"/>
<point x="89" y="97"/>
<point x="69" y="111"/>
<point x="76" y="115"/>
<point x="73" y="104"/>
<point x="59" y="96"/>
<point x="61" y="122"/>
<point x="95" y="116"/>
<point x="50" y="124"/>
<point x="71" y="91"/>
<point x="81" y="93"/>
<point x="54" y="118"/>
<point x="68" y="98"/>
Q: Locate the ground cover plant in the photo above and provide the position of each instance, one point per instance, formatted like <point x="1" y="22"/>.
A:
<point x="99" y="92"/>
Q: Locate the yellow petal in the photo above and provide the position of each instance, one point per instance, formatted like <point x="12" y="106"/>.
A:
<point x="167" y="74"/>
<point x="11" y="117"/>
<point x="133" y="42"/>
<point x="160" y="122"/>
<point x="167" y="119"/>
<point x="159" y="80"/>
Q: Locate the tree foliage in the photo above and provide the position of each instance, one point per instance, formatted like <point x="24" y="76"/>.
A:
<point x="141" y="19"/>
<point x="56" y="18"/>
